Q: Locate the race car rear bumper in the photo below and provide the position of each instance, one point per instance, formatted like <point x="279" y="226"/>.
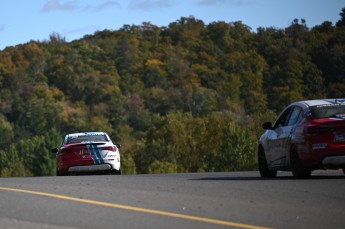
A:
<point x="89" y="168"/>
<point x="334" y="162"/>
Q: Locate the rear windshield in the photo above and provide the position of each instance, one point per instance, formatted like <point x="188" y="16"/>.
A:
<point x="86" y="138"/>
<point x="328" y="110"/>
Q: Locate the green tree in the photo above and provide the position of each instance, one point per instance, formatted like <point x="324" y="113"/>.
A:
<point x="341" y="21"/>
<point x="127" y="164"/>
<point x="162" y="167"/>
<point x="238" y="149"/>
<point x="6" y="132"/>
<point x="11" y="165"/>
<point x="37" y="153"/>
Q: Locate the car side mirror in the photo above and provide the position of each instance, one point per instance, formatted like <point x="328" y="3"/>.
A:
<point x="118" y="145"/>
<point x="267" y="126"/>
<point x="55" y="150"/>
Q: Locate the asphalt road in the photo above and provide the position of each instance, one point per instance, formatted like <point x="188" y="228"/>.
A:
<point x="205" y="200"/>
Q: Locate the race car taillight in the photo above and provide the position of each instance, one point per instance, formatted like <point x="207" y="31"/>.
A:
<point x="317" y="131"/>
<point x="66" y="150"/>
<point x="110" y="148"/>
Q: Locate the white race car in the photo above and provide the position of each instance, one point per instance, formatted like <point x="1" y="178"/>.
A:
<point x="89" y="152"/>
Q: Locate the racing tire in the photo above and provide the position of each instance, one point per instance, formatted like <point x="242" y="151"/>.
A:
<point x="298" y="171"/>
<point x="60" y="174"/>
<point x="115" y="172"/>
<point x="344" y="170"/>
<point x="265" y="172"/>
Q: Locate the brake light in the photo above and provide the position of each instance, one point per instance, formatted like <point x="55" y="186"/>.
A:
<point x="310" y="132"/>
<point x="109" y="148"/>
<point x="317" y="130"/>
<point x="66" y="150"/>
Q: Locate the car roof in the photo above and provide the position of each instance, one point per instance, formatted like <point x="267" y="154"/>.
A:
<point x="86" y="133"/>
<point x="75" y="135"/>
<point x="317" y="102"/>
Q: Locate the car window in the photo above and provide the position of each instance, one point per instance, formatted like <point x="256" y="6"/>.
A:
<point x="86" y="138"/>
<point x="296" y="116"/>
<point x="283" y="118"/>
<point x="327" y="110"/>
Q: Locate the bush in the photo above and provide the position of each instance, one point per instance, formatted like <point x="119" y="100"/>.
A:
<point x="127" y="164"/>
<point x="162" y="167"/>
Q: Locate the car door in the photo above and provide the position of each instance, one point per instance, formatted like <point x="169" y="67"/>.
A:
<point x="276" y="139"/>
<point x="294" y="118"/>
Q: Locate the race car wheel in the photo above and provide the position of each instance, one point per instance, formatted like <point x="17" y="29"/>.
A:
<point x="344" y="170"/>
<point x="263" y="167"/>
<point x="59" y="173"/>
<point x="115" y="172"/>
<point x="298" y="171"/>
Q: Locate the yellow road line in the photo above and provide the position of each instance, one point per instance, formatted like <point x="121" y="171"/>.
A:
<point x="145" y="210"/>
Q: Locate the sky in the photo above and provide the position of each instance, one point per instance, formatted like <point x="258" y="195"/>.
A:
<point x="24" y="20"/>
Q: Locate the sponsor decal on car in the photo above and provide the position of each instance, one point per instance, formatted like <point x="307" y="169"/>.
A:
<point x="340" y="100"/>
<point x="340" y="116"/>
<point x="96" y="155"/>
<point x="339" y="138"/>
<point x="319" y="146"/>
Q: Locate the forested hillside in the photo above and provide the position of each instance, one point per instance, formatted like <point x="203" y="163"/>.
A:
<point x="189" y="97"/>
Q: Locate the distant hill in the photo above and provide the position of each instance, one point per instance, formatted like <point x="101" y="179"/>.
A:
<point x="183" y="98"/>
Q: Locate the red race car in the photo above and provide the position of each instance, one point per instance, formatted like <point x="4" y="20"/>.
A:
<point x="89" y="152"/>
<point x="306" y="136"/>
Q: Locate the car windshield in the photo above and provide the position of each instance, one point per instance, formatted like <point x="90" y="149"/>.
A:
<point x="328" y="110"/>
<point x="86" y="138"/>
